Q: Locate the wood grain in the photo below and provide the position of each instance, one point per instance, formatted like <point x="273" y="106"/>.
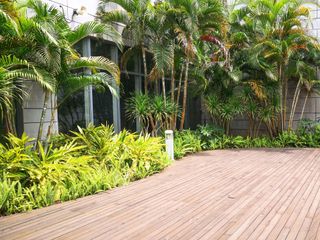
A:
<point x="225" y="194"/>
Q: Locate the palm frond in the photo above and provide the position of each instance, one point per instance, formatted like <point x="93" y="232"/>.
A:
<point x="74" y="83"/>
<point x="93" y="28"/>
<point x="97" y="63"/>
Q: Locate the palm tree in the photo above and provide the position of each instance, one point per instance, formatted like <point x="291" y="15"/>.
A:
<point x="14" y="70"/>
<point x="135" y="15"/>
<point x="280" y="27"/>
<point x="193" y="19"/>
<point x="62" y="61"/>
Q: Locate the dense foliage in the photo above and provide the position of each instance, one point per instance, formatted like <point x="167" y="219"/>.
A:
<point x="92" y="160"/>
<point x="211" y="138"/>
<point x="96" y="159"/>
<point x="241" y="58"/>
<point x="39" y="45"/>
<point x="269" y="48"/>
<point x="170" y="33"/>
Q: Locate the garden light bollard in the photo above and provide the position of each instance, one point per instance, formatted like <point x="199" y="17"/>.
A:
<point x="169" y="143"/>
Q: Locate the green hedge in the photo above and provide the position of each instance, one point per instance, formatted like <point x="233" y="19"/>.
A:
<point x="209" y="138"/>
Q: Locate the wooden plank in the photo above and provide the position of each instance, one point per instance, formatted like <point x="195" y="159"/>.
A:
<point x="223" y="208"/>
<point x="225" y="194"/>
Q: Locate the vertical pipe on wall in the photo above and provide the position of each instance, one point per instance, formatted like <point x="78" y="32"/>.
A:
<point x="116" y="99"/>
<point x="88" y="96"/>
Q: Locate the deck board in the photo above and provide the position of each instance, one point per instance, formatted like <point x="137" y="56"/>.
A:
<point x="225" y="194"/>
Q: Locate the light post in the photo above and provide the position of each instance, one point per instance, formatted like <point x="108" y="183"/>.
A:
<point x="169" y="144"/>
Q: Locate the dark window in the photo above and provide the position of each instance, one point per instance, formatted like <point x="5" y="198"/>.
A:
<point x="71" y="112"/>
<point x="127" y="90"/>
<point x="102" y="100"/>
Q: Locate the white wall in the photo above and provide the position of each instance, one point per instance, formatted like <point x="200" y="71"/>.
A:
<point x="69" y="5"/>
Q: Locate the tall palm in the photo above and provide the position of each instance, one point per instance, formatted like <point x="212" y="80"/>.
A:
<point x="16" y="30"/>
<point x="194" y="18"/>
<point x="280" y="27"/>
<point x="135" y="14"/>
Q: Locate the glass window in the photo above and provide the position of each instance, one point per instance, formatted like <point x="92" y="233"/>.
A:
<point x="127" y="90"/>
<point x="71" y="112"/>
<point x="100" y="47"/>
<point x="130" y="62"/>
<point x="102" y="100"/>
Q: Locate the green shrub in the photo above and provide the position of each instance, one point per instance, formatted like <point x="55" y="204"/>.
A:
<point x="207" y="133"/>
<point x="93" y="160"/>
<point x="207" y="138"/>
<point x="186" y="142"/>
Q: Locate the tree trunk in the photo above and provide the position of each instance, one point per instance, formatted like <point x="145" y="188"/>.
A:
<point x="185" y="95"/>
<point x="280" y="69"/>
<point x="304" y="105"/>
<point x="285" y="95"/>
<point x="153" y="126"/>
<point x="172" y="80"/>
<point x="294" y="104"/>
<point x="7" y="121"/>
<point x="53" y="113"/>
<point x="43" y="114"/>
<point x="145" y="70"/>
<point x="164" y="89"/>
<point x="172" y="90"/>
<point x="178" y="95"/>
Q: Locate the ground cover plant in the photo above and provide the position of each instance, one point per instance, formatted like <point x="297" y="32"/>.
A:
<point x="87" y="162"/>
<point x="306" y="136"/>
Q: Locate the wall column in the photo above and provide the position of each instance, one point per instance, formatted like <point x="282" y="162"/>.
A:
<point x="116" y="99"/>
<point x="88" y="96"/>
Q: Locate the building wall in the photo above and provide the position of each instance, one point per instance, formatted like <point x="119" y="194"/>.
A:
<point x="32" y="110"/>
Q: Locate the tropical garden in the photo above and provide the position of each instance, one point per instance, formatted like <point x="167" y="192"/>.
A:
<point x="241" y="59"/>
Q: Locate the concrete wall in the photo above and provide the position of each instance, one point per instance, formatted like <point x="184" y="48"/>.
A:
<point x="32" y="109"/>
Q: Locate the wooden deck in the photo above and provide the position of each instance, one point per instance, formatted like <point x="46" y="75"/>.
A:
<point x="232" y="194"/>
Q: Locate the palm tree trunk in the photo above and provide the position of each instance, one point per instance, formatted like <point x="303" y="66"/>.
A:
<point x="145" y="70"/>
<point x="185" y="95"/>
<point x="294" y="104"/>
<point x="172" y="80"/>
<point x="280" y="69"/>
<point x="164" y="88"/>
<point x="43" y="114"/>
<point x="178" y="95"/>
<point x="7" y="120"/>
<point x="53" y="114"/>
<point x="304" y="105"/>
<point x="285" y="96"/>
<point x="172" y="90"/>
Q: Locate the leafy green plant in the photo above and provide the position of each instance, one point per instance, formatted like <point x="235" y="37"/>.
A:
<point x="91" y="160"/>
<point x="186" y="142"/>
<point x="153" y="112"/>
<point x="208" y="132"/>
